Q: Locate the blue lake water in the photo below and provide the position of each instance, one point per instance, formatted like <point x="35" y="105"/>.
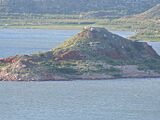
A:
<point x="121" y="99"/>
<point x="27" y="41"/>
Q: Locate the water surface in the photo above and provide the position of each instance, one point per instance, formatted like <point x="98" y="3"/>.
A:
<point x="156" y="46"/>
<point x="123" y="99"/>
<point x="27" y="41"/>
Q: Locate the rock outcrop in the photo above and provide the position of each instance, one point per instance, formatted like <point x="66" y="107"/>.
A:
<point x="94" y="53"/>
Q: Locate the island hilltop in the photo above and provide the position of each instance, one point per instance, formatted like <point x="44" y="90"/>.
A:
<point x="94" y="53"/>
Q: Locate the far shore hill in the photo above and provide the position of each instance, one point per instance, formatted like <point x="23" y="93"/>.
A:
<point x="94" y="53"/>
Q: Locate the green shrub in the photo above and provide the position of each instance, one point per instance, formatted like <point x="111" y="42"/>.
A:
<point x="152" y="64"/>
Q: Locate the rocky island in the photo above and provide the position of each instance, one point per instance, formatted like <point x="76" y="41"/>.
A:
<point x="94" y="53"/>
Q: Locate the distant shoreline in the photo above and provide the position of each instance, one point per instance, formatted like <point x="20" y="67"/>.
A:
<point x="100" y="79"/>
<point x="137" y="36"/>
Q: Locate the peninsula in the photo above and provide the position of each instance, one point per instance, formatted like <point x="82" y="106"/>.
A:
<point x="94" y="53"/>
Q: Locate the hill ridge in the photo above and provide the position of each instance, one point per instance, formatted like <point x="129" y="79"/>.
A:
<point x="154" y="12"/>
<point x="94" y="53"/>
<point x="76" y="6"/>
<point x="101" y="40"/>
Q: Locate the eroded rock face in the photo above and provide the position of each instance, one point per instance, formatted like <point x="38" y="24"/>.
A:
<point x="94" y="53"/>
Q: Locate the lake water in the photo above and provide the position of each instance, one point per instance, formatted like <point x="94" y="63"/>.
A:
<point x="27" y="41"/>
<point x="121" y="99"/>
